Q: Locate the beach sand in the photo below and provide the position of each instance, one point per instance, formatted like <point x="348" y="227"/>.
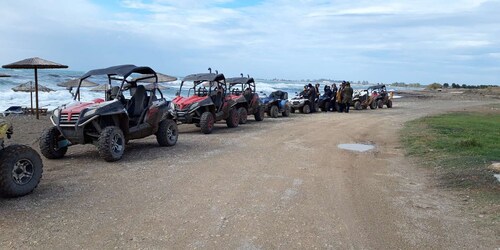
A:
<point x="280" y="183"/>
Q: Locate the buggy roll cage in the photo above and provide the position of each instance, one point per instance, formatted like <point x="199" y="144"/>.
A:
<point x="201" y="78"/>
<point x="120" y="73"/>
<point x="245" y="82"/>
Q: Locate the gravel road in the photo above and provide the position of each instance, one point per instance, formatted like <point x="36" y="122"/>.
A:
<point x="281" y="183"/>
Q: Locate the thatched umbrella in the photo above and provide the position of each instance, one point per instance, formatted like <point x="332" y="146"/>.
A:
<point x="161" y="78"/>
<point x="74" y="83"/>
<point x="102" y="87"/>
<point x="28" y="87"/>
<point x="152" y="86"/>
<point x="34" y="63"/>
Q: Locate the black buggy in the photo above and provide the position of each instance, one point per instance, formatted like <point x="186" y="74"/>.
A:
<point x="111" y="122"/>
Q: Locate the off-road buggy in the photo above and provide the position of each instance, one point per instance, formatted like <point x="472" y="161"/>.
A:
<point x="109" y="124"/>
<point x="20" y="166"/>
<point x="276" y="103"/>
<point x="242" y="91"/>
<point x="363" y="99"/>
<point x="302" y="104"/>
<point x="383" y="98"/>
<point x="207" y="101"/>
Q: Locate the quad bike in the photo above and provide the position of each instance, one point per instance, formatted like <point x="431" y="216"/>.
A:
<point x="207" y="101"/>
<point x="383" y="97"/>
<point x="20" y="166"/>
<point x="246" y="98"/>
<point x="302" y="104"/>
<point x="109" y="124"/>
<point x="327" y="101"/>
<point x="362" y="99"/>
<point x="276" y="103"/>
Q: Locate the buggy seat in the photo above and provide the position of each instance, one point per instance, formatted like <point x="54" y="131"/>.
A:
<point x="137" y="103"/>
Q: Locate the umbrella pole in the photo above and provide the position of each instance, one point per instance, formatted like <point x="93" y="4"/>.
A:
<point x="36" y="92"/>
<point x="31" y="97"/>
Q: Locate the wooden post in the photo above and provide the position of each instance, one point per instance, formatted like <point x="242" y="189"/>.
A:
<point x="36" y="92"/>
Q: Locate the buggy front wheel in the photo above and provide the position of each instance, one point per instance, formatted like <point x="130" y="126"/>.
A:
<point x="111" y="144"/>
<point x="49" y="144"/>
<point x="20" y="170"/>
<point x="207" y="122"/>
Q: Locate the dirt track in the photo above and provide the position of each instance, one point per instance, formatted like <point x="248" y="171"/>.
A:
<point x="281" y="183"/>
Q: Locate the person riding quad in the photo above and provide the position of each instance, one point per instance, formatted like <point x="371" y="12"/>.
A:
<point x="303" y="93"/>
<point x="328" y="95"/>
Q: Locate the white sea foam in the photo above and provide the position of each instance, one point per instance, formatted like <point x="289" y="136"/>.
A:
<point x="60" y="96"/>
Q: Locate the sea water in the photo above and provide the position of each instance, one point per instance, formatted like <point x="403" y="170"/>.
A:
<point x="51" y="77"/>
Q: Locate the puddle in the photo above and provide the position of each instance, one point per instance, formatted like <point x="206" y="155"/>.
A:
<point x="357" y="147"/>
<point x="497" y="176"/>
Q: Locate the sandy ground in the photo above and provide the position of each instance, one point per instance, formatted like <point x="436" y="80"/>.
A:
<point x="281" y="183"/>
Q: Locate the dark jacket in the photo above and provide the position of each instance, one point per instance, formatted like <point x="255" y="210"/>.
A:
<point x="328" y="93"/>
<point x="347" y="94"/>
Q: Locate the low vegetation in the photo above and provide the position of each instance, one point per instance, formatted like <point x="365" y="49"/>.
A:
<point x="460" y="147"/>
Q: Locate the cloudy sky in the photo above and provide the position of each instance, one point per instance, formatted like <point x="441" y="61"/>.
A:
<point x="380" y="41"/>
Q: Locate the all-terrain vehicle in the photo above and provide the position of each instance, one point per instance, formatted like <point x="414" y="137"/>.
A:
<point x="302" y="104"/>
<point x="363" y="99"/>
<point x="276" y="103"/>
<point x="327" y="101"/>
<point x="109" y="124"/>
<point x="383" y="98"/>
<point x="207" y="101"/>
<point x="242" y="91"/>
<point x="20" y="166"/>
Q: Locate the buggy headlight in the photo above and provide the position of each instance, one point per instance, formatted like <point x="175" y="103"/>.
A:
<point x="89" y="113"/>
<point x="194" y="105"/>
<point x="172" y="105"/>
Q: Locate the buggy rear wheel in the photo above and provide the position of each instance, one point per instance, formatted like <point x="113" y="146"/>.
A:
<point x="259" y="115"/>
<point x="21" y="169"/>
<point x="373" y="105"/>
<point x="111" y="144"/>
<point x="242" y="112"/>
<point x="49" y="144"/>
<point x="207" y="122"/>
<point x="380" y="104"/>
<point x="167" y="133"/>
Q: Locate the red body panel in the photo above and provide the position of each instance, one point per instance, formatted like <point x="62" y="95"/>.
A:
<point x="186" y="101"/>
<point x="234" y="97"/>
<point x="78" y="107"/>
